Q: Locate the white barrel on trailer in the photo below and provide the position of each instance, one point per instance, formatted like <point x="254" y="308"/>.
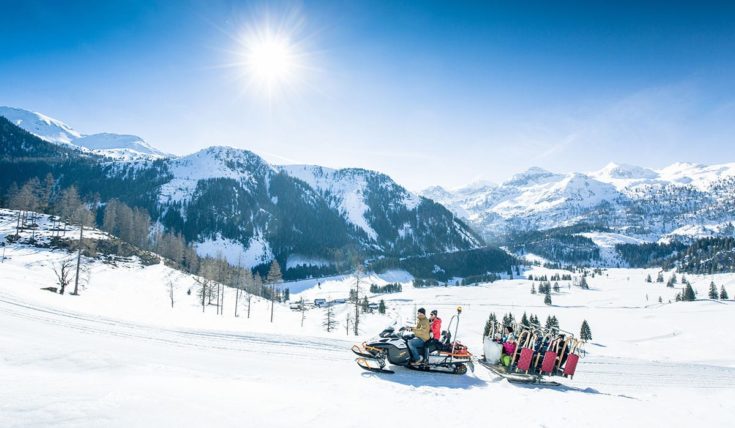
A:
<point x="492" y="350"/>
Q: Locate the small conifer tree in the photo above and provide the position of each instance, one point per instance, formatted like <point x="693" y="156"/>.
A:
<point x="585" y="333"/>
<point x="689" y="295"/>
<point x="524" y="320"/>
<point x="713" y="291"/>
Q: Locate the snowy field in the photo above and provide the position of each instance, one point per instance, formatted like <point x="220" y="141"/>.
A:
<point x="119" y="355"/>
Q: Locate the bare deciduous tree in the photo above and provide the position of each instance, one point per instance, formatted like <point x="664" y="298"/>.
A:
<point x="330" y="323"/>
<point x="171" y="292"/>
<point x="273" y="278"/>
<point x="63" y="271"/>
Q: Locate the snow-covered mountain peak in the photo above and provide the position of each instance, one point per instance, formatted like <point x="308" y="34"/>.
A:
<point x="533" y="175"/>
<point x="221" y="162"/>
<point x="697" y="175"/>
<point x="624" y="172"/>
<point x="40" y="125"/>
<point x="121" y="147"/>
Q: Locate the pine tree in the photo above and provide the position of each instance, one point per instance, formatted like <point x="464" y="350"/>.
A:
<point x="660" y="300"/>
<point x="660" y="277"/>
<point x="508" y="319"/>
<point x="585" y="333"/>
<point x="556" y="287"/>
<point x="713" y="291"/>
<point x="723" y="293"/>
<point x="286" y="295"/>
<point x="533" y="288"/>
<point x="689" y="295"/>
<point x="365" y="305"/>
<point x="547" y="298"/>
<point x="381" y="306"/>
<point x="678" y="297"/>
<point x="648" y="278"/>
<point x="489" y="324"/>
<point x="524" y="320"/>
<point x="583" y="284"/>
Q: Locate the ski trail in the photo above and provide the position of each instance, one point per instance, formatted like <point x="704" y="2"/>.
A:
<point x="284" y="345"/>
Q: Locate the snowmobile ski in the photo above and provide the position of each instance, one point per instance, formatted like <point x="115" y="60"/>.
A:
<point x="365" y="364"/>
<point x="362" y="352"/>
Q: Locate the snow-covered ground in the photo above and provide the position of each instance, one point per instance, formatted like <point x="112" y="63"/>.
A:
<point x="120" y="355"/>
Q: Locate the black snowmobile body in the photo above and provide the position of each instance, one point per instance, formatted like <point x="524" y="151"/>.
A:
<point x="392" y="347"/>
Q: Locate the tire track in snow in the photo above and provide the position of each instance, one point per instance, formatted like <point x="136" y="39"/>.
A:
<point x="289" y="346"/>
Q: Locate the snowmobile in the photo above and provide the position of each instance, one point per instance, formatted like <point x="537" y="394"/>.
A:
<point x="392" y="347"/>
<point x="538" y="353"/>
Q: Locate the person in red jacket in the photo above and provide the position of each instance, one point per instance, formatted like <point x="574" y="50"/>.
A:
<point x="435" y="325"/>
<point x="435" y="332"/>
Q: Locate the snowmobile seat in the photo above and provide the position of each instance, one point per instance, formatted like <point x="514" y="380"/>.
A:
<point x="524" y="362"/>
<point x="547" y="365"/>
<point x="571" y="365"/>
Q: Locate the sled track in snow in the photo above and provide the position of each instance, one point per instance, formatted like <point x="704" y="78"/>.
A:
<point x="629" y="373"/>
<point x="261" y="343"/>
<point x="594" y="372"/>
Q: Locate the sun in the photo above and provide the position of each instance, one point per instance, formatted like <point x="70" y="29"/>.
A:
<point x="271" y="61"/>
<point x="272" y="55"/>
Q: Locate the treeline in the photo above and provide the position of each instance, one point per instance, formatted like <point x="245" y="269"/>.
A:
<point x="648" y="254"/>
<point x="555" y="277"/>
<point x="387" y="288"/>
<point x="509" y="320"/>
<point x="562" y="244"/>
<point x="706" y="256"/>
<point x="443" y="266"/>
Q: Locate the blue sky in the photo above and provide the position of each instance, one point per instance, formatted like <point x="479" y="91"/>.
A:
<point x="428" y="92"/>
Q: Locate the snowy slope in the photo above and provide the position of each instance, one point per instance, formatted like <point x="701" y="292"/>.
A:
<point x="212" y="162"/>
<point x="120" y="355"/>
<point x="40" y="125"/>
<point x="116" y="146"/>
<point x="345" y="188"/>
<point x="119" y="146"/>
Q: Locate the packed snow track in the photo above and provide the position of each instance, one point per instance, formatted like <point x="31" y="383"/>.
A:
<point x="75" y="369"/>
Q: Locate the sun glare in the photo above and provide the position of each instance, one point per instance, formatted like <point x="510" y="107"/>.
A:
<point x="271" y="55"/>
<point x="270" y="61"/>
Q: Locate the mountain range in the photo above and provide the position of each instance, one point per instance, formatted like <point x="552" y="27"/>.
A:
<point x="618" y="204"/>
<point x="231" y="202"/>
<point x="307" y="214"/>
